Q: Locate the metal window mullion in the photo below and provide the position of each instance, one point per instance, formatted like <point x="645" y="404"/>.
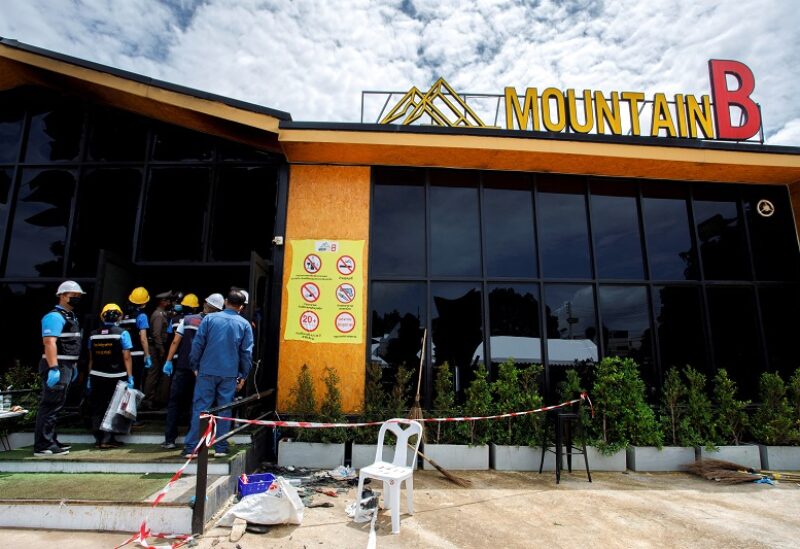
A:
<point x="429" y="378"/>
<point x="146" y="172"/>
<point x="706" y="311"/>
<point x="762" y="335"/>
<point x="13" y="192"/>
<point x="656" y="344"/>
<point x="487" y="344"/>
<point x="543" y="335"/>
<point x="595" y="275"/>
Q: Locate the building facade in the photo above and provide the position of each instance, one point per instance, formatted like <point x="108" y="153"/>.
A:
<point x="545" y="248"/>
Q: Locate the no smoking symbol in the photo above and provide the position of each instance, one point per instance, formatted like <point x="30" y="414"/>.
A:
<point x="310" y="292"/>
<point x="309" y="321"/>
<point x="312" y="263"/>
<point x="345" y="322"/>
<point x="346" y="265"/>
<point x="345" y="293"/>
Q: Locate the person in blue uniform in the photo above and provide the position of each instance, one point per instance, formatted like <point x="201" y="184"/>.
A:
<point x="136" y="324"/>
<point x="109" y="362"/>
<point x="222" y="355"/>
<point x="61" y="336"/>
<point x="177" y="366"/>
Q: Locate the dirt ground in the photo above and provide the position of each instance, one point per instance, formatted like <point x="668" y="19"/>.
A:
<point x="506" y="509"/>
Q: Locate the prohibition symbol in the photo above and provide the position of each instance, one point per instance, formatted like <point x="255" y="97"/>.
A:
<point x="345" y="293"/>
<point x="345" y="322"/>
<point x="346" y="265"/>
<point x="309" y="321"/>
<point x="312" y="264"/>
<point x="310" y="292"/>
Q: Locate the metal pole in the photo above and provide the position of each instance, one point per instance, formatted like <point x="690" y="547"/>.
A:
<point x="199" y="511"/>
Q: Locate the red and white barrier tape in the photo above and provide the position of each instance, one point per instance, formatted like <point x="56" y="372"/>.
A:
<point x="208" y="438"/>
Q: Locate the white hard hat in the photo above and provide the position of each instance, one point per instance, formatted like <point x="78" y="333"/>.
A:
<point x="216" y="301"/>
<point x="69" y="286"/>
<point x="246" y="296"/>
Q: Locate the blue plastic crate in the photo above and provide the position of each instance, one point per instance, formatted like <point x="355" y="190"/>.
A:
<point x="256" y="484"/>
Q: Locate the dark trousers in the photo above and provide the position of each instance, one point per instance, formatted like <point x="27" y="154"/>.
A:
<point x="156" y="385"/>
<point x="138" y="371"/>
<point x="51" y="401"/>
<point x="180" y="402"/>
<point x="102" y="391"/>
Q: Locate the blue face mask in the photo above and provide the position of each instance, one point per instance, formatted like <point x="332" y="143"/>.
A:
<point x="178" y="308"/>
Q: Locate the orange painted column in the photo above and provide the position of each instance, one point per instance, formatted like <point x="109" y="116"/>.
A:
<point x="325" y="203"/>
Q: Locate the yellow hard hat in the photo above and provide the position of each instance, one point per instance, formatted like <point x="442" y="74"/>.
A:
<point x="110" y="307"/>
<point x="139" y="296"/>
<point x="190" y="300"/>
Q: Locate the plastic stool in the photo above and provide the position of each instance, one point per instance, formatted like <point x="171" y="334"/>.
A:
<point x="563" y="421"/>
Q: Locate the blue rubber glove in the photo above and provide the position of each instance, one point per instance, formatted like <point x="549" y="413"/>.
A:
<point x="53" y="377"/>
<point x="148" y="362"/>
<point x="167" y="369"/>
<point x="89" y="386"/>
<point x="74" y="374"/>
<point x="130" y="382"/>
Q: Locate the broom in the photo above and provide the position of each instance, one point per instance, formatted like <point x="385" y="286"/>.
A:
<point x="721" y="467"/>
<point x="416" y="410"/>
<point x="458" y="481"/>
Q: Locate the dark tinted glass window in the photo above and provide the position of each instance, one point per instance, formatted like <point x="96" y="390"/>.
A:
<point x="779" y="307"/>
<point x="457" y="328"/>
<point x="508" y="225"/>
<point x="234" y="151"/>
<point x="563" y="230"/>
<point x="11" y="117"/>
<point x="615" y="229"/>
<point x="39" y="230"/>
<point x="720" y="234"/>
<point x="116" y="136"/>
<point x="174" y="214"/>
<point x="56" y="129"/>
<point x="734" y="335"/>
<point x="772" y="233"/>
<point x="172" y="143"/>
<point x="248" y="196"/>
<point x="108" y="202"/>
<point x="29" y="302"/>
<point x="571" y="323"/>
<point x="455" y="224"/>
<point x="679" y="322"/>
<point x="6" y="178"/>
<point x="398" y="317"/>
<point x="398" y="223"/>
<point x="668" y="232"/>
<point x="625" y="313"/>
<point x="514" y="323"/>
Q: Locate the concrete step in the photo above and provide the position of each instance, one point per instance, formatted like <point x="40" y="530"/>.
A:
<point x="132" y="458"/>
<point x="19" y="440"/>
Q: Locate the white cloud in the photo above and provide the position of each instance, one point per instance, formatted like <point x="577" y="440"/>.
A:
<point x="314" y="58"/>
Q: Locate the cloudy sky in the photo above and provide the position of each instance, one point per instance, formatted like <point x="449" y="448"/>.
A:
<point x="314" y="57"/>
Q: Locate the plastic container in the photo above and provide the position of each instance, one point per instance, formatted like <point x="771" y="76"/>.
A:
<point x="255" y="484"/>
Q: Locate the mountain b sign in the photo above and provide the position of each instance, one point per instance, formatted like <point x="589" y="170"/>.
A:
<point x="728" y="113"/>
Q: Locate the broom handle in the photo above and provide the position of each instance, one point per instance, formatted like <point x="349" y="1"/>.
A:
<point x="421" y="361"/>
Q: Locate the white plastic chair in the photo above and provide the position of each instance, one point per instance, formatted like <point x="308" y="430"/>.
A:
<point x="395" y="473"/>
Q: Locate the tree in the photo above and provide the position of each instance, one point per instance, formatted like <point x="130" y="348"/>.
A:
<point x="303" y="404"/>
<point x="673" y="395"/>
<point x="773" y="423"/>
<point x="731" y="417"/>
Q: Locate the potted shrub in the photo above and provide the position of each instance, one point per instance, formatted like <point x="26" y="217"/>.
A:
<point x="315" y="448"/>
<point x="675" y="454"/>
<point x="731" y="422"/>
<point x="775" y="425"/>
<point x="622" y="416"/>
<point x="377" y="407"/>
<point x="516" y="441"/>
<point x="461" y="445"/>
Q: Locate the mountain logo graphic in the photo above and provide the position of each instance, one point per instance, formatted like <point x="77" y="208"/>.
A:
<point x="441" y="103"/>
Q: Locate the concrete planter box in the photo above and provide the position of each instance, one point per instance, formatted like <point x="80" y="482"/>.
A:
<point x="364" y="454"/>
<point x="780" y="458"/>
<point x="668" y="458"/>
<point x="600" y="462"/>
<point x="457" y="457"/>
<point x="312" y="455"/>
<point x="522" y="458"/>
<point x="745" y="454"/>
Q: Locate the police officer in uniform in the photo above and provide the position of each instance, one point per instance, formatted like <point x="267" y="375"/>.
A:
<point x="61" y="336"/>
<point x="136" y="324"/>
<point x="109" y="362"/>
<point x="182" y="388"/>
<point x="155" y="389"/>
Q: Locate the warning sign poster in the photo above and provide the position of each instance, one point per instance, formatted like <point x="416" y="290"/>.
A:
<point x="326" y="291"/>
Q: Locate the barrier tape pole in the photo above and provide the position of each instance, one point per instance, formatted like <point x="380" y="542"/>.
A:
<point x="208" y="438"/>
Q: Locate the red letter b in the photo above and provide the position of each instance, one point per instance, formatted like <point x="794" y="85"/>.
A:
<point x="724" y="98"/>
